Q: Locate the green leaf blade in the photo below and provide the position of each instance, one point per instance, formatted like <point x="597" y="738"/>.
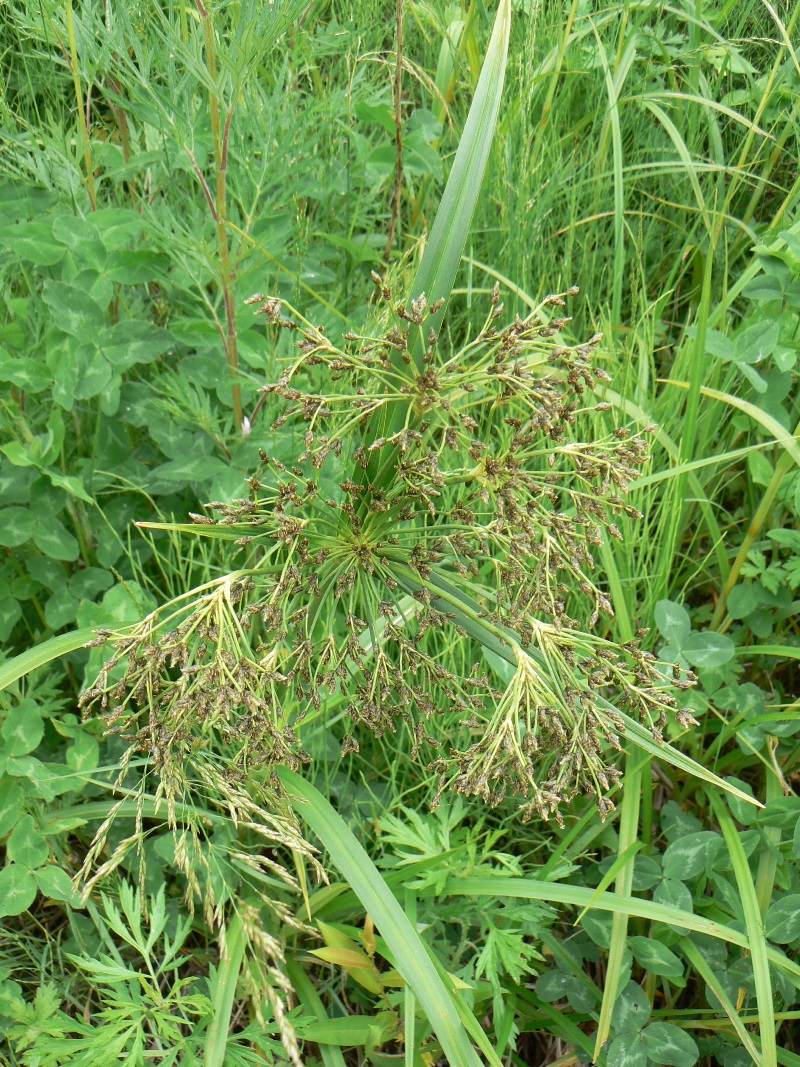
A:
<point x="413" y="961"/>
<point x="442" y="257"/>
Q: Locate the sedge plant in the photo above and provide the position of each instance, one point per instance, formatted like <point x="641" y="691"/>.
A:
<point x="445" y="485"/>
<point x="481" y="510"/>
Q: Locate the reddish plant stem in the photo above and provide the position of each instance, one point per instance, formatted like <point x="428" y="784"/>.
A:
<point x="121" y="120"/>
<point x="220" y="136"/>
<point x="398" y="136"/>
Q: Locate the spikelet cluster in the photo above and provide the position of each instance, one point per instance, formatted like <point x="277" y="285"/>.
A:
<point x="443" y="495"/>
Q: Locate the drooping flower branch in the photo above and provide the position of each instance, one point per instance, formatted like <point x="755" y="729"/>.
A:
<point x="456" y="498"/>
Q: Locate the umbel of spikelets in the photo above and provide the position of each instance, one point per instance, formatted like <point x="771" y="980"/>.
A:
<point x="445" y="500"/>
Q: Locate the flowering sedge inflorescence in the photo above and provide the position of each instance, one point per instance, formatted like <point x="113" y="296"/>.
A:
<point x="441" y="496"/>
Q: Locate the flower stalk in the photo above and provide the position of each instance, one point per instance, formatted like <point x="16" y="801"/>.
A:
<point x="83" y="123"/>
<point x="220" y="135"/>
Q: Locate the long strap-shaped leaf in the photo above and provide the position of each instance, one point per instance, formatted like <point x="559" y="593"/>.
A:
<point x="409" y="952"/>
<point x="770" y="424"/>
<point x="440" y="262"/>
<point x="667" y="753"/>
<point x="754" y="924"/>
<point x="442" y="257"/>
<point x="579" y="896"/>
<point x="39" y="655"/>
<point x="223" y="992"/>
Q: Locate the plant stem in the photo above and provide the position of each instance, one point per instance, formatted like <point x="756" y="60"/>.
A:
<point x="82" y="124"/>
<point x="782" y="468"/>
<point x="628" y="832"/>
<point x="398" y="136"/>
<point x="220" y="135"/>
<point x="121" y="120"/>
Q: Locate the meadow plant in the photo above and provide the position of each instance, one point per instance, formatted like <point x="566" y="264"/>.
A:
<point x="454" y="540"/>
<point x="477" y="517"/>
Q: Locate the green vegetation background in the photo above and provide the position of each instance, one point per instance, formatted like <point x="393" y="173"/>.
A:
<point x="646" y="152"/>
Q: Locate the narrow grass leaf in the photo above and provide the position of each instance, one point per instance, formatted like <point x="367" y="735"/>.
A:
<point x="310" y="1001"/>
<point x="698" y="464"/>
<point x="46" y="652"/>
<point x="705" y="101"/>
<point x="409" y="1002"/>
<point x="666" y="753"/>
<point x="448" y="236"/>
<point x="413" y="961"/>
<point x="778" y="651"/>
<point x="442" y="257"/>
<point x="612" y="90"/>
<point x="628" y="834"/>
<point x="219" y="533"/>
<point x="581" y="897"/>
<point x="618" y="864"/>
<point x="223" y="992"/>
<point x="767" y="421"/>
<point x="703" y="968"/>
<point x="755" y="930"/>
<point x="471" y="1024"/>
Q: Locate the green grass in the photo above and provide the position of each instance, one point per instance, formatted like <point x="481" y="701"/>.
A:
<point x="161" y="163"/>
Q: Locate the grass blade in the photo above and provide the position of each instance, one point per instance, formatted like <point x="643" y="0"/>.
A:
<point x="779" y="651"/>
<point x="409" y="1003"/>
<point x="782" y="468"/>
<point x="581" y="897"/>
<point x="634" y="411"/>
<point x="685" y="156"/>
<point x="628" y="842"/>
<point x="700" y="964"/>
<point x="413" y="961"/>
<point x="19" y="666"/>
<point x="448" y="236"/>
<point x="705" y="101"/>
<point x="628" y="837"/>
<point x="755" y="930"/>
<point x="308" y="997"/>
<point x="471" y="1024"/>
<point x="223" y="991"/>
<point x="612" y="90"/>
<point x="676" y="498"/>
<point x="622" y="860"/>
<point x="667" y="753"/>
<point x="770" y="424"/>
